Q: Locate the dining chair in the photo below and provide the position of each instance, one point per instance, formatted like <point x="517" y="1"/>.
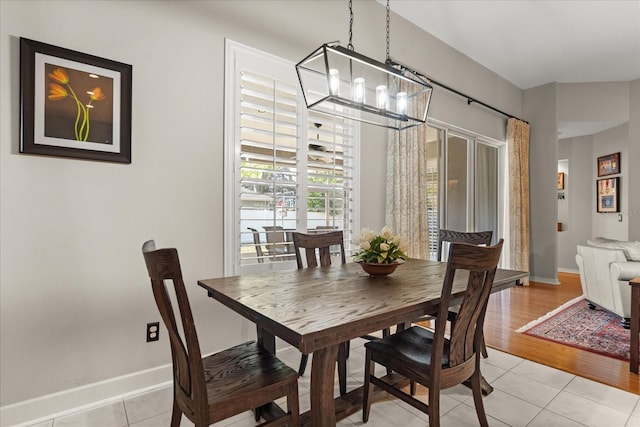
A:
<point x="429" y="357"/>
<point x="452" y="236"/>
<point x="317" y="252"/>
<point x="258" y="244"/>
<point x="238" y="379"/>
<point x="276" y="241"/>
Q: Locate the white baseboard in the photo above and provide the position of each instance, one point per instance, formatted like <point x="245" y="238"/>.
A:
<point x="568" y="270"/>
<point x="62" y="403"/>
<point x="547" y="280"/>
<point x="90" y="396"/>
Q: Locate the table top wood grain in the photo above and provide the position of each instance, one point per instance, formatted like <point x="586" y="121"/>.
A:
<point x="318" y="307"/>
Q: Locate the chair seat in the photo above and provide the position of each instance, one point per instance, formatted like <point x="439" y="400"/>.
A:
<point x="235" y="375"/>
<point x="411" y="347"/>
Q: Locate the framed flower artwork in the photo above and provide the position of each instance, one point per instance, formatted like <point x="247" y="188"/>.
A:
<point x="74" y="104"/>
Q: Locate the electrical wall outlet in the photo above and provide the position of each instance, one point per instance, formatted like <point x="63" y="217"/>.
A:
<point x="153" y="331"/>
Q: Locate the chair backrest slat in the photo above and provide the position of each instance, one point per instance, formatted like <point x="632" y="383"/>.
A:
<point x="321" y="242"/>
<point x="471" y="237"/>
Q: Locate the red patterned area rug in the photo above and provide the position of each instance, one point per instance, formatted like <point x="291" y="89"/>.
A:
<point x="576" y="325"/>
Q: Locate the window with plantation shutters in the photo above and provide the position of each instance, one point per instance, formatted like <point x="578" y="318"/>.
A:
<point x="286" y="168"/>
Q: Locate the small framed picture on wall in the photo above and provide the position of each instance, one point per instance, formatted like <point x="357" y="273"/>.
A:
<point x="609" y="164"/>
<point x="608" y="194"/>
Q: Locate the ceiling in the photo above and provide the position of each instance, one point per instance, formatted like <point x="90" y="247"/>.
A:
<point x="535" y="42"/>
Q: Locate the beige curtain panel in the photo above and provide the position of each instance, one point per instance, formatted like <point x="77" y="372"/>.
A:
<point x="406" y="199"/>
<point x="518" y="148"/>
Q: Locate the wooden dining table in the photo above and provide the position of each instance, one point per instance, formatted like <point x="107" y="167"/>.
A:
<point x="316" y="309"/>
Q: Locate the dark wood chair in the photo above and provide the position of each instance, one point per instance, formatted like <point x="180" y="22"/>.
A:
<point x="428" y="357"/>
<point x="207" y="390"/>
<point x="473" y="238"/>
<point x="258" y="244"/>
<point x="317" y="247"/>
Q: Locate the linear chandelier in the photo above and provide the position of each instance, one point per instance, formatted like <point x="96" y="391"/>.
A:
<point x="341" y="82"/>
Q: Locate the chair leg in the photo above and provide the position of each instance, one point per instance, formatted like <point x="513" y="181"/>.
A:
<point x="434" y="407"/>
<point x="303" y="364"/>
<point x="385" y="333"/>
<point x="367" y="388"/>
<point x="256" y="414"/>
<point x="483" y="349"/>
<point x="412" y="387"/>
<point x="477" y="395"/>
<point x="293" y="404"/>
<point x="348" y="349"/>
<point x="176" y="415"/>
<point x="342" y="368"/>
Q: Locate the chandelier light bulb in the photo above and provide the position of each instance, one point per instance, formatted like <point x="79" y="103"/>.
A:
<point x="334" y="82"/>
<point x="401" y="102"/>
<point x="382" y="97"/>
<point x="358" y="89"/>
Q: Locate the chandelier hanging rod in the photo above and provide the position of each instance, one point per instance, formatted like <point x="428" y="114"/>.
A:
<point x="470" y="99"/>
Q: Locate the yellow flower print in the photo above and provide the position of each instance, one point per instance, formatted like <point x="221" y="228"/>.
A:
<point x="97" y="94"/>
<point x="59" y="75"/>
<point x="61" y="88"/>
<point x="56" y="92"/>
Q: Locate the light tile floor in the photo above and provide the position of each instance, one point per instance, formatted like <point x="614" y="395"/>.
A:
<point x="525" y="394"/>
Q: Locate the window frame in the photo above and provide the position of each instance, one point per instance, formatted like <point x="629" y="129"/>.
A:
<point x="237" y="54"/>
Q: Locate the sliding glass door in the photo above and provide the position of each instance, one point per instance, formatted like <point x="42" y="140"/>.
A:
<point x="458" y="173"/>
<point x="463" y="188"/>
<point x="486" y="188"/>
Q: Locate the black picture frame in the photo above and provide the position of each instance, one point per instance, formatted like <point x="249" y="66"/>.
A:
<point x="73" y="104"/>
<point x="608" y="195"/>
<point x="609" y="164"/>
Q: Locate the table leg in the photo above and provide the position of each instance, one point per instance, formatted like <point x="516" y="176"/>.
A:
<point x="266" y="339"/>
<point x="323" y="364"/>
<point x="635" y="327"/>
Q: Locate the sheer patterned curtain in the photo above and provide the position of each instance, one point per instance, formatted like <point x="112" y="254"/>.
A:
<point x="518" y="148"/>
<point x="406" y="201"/>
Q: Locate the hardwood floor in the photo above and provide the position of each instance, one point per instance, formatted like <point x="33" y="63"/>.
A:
<point x="515" y="307"/>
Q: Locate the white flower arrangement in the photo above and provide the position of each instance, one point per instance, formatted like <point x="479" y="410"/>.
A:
<point x="383" y="248"/>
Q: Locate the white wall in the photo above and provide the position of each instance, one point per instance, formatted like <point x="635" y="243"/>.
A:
<point x="593" y="102"/>
<point x="75" y="296"/>
<point x="540" y="109"/>
<point x="580" y="195"/>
